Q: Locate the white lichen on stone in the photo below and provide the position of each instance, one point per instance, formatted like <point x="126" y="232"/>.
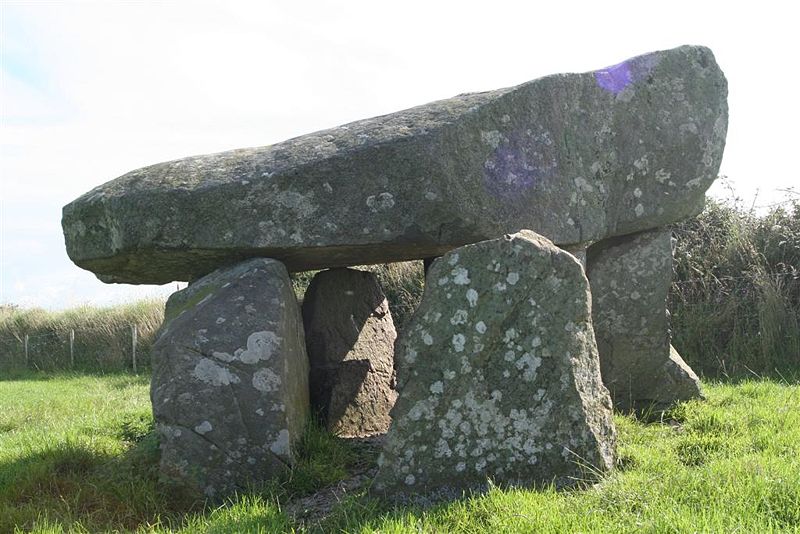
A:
<point x="223" y="356"/>
<point x="458" y="342"/>
<point x="260" y="347"/>
<point x="480" y="327"/>
<point x="281" y="444"/>
<point x="512" y="278"/>
<point x="426" y="338"/>
<point x="209" y="372"/>
<point x="265" y="380"/>
<point x="528" y="364"/>
<point x="459" y="317"/>
<point x="203" y="428"/>
<point x="510" y="334"/>
<point x="583" y="185"/>
<point x="472" y="297"/>
<point x="492" y="138"/>
<point x="460" y="276"/>
<point x="381" y="202"/>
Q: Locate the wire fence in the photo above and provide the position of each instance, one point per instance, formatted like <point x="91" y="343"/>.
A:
<point x="124" y="347"/>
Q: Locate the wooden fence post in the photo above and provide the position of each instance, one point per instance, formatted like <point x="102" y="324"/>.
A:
<point x="27" y="360"/>
<point x="134" y="336"/>
<point x="72" y="349"/>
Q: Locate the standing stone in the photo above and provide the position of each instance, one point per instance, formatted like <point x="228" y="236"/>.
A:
<point x="630" y="278"/>
<point x="350" y="341"/>
<point x="498" y="375"/>
<point x="230" y="379"/>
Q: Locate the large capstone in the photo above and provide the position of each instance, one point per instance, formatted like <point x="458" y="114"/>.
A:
<point x="630" y="278"/>
<point x="230" y="379"/>
<point x="498" y="375"/>
<point x="350" y="341"/>
<point x="575" y="157"/>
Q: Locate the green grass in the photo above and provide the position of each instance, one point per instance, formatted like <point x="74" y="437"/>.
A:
<point x="77" y="454"/>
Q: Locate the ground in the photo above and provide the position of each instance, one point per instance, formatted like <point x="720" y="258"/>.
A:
<point x="77" y="454"/>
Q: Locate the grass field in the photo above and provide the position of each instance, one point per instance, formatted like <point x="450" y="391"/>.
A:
<point x="77" y="454"/>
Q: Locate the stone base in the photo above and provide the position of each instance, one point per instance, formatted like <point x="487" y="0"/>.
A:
<point x="230" y="379"/>
<point x="498" y="376"/>
<point x="630" y="278"/>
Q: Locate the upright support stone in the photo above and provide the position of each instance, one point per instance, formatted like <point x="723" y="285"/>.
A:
<point x="498" y="375"/>
<point x="630" y="278"/>
<point x="350" y="341"/>
<point x="230" y="379"/>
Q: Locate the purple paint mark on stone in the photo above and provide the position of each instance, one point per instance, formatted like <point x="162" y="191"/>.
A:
<point x="616" y="78"/>
<point x="519" y="163"/>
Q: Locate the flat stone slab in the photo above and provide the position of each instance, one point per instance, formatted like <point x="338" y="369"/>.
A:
<point x="230" y="379"/>
<point x="576" y="157"/>
<point x="350" y="339"/>
<point x="630" y="278"/>
<point x="498" y="376"/>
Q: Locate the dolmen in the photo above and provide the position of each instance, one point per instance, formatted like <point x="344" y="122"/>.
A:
<point x="547" y="207"/>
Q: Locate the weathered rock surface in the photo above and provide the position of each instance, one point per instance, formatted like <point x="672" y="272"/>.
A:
<point x="630" y="278"/>
<point x="498" y="375"/>
<point x="350" y="342"/>
<point x="575" y="157"/>
<point x="230" y="379"/>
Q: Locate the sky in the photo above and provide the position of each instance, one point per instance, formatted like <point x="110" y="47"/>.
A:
<point x="92" y="90"/>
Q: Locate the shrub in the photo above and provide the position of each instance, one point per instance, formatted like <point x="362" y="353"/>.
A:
<point x="735" y="300"/>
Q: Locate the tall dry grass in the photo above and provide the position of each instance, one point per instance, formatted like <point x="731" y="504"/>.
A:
<point x="735" y="300"/>
<point x="102" y="342"/>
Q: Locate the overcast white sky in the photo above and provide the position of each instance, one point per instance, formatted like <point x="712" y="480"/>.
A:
<point x="91" y="90"/>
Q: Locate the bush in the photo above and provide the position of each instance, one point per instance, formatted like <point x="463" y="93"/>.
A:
<point x="735" y="300"/>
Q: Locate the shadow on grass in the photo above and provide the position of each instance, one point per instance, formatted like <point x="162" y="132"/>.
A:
<point x="76" y="484"/>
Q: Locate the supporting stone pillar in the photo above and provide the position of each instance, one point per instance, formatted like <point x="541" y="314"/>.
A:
<point x="630" y="278"/>
<point x="350" y="341"/>
<point x="230" y="379"/>
<point x="498" y="375"/>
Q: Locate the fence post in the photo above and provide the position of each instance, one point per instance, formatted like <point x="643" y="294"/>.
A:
<point x="134" y="336"/>
<point x="72" y="349"/>
<point x="27" y="360"/>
